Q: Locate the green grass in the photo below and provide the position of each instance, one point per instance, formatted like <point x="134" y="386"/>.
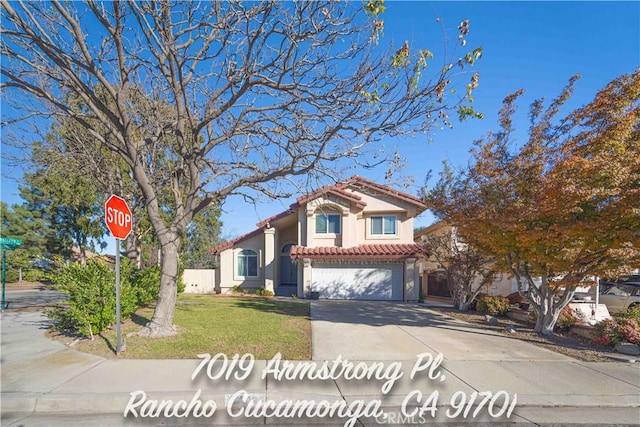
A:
<point x="215" y="324"/>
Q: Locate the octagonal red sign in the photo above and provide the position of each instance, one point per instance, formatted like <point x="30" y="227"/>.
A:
<point x="117" y="216"/>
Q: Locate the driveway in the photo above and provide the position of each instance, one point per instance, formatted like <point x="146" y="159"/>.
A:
<point x="368" y="330"/>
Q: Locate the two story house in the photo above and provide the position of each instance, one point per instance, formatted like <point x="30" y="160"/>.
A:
<point x="350" y="240"/>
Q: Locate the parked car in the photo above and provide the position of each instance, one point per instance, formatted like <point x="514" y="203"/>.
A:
<point x="620" y="294"/>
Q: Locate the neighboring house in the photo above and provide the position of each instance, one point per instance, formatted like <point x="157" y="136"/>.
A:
<point x="76" y="256"/>
<point x="351" y="240"/>
<point x="433" y="276"/>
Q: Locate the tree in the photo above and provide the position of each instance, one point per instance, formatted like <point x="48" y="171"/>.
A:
<point x="38" y="239"/>
<point x="467" y="269"/>
<point x="67" y="200"/>
<point x="561" y="208"/>
<point x="227" y="97"/>
<point x="202" y="234"/>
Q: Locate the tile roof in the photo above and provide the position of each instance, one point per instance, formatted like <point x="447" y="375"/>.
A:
<point x="358" y="181"/>
<point x="229" y="243"/>
<point x="267" y="222"/>
<point x="382" y="251"/>
<point x="339" y="190"/>
<point x="333" y="189"/>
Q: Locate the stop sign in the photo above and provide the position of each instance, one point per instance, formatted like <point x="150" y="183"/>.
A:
<point x="117" y="216"/>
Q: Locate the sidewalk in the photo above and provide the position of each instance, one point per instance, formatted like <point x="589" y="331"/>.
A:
<point x="46" y="383"/>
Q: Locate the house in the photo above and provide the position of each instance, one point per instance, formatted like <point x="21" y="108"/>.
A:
<point x="350" y="240"/>
<point x="433" y="276"/>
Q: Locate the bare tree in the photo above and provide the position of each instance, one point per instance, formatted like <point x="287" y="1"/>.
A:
<point x="203" y="100"/>
<point x="467" y="269"/>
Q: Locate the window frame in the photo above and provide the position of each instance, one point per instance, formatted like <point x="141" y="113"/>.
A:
<point x="327" y="217"/>
<point x="382" y="225"/>
<point x="244" y="253"/>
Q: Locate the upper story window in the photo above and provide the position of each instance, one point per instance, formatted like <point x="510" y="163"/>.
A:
<point x="383" y="225"/>
<point x="327" y="223"/>
<point x="247" y="263"/>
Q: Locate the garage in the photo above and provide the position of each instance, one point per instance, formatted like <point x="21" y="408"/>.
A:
<point x="380" y="281"/>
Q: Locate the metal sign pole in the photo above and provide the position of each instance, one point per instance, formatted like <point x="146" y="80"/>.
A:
<point x="4" y="277"/>
<point x="117" y="297"/>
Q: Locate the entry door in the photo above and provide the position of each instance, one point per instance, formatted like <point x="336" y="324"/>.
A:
<point x="288" y="270"/>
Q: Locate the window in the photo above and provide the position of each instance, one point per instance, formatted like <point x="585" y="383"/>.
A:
<point x="248" y="263"/>
<point x="327" y="224"/>
<point x="383" y="225"/>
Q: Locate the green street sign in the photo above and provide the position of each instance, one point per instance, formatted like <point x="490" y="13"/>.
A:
<point x="9" y="244"/>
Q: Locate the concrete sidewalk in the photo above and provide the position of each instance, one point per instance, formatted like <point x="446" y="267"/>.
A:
<point x="46" y="383"/>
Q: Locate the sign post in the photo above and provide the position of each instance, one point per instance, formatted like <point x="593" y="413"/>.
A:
<point x="6" y="244"/>
<point x="118" y="218"/>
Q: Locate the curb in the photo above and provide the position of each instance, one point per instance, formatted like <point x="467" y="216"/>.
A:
<point x="115" y="403"/>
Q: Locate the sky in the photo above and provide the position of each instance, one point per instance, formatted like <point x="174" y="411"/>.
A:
<point x="536" y="46"/>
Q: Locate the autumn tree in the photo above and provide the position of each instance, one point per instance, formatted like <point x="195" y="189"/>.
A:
<point x="202" y="100"/>
<point x="560" y="208"/>
<point x="467" y="269"/>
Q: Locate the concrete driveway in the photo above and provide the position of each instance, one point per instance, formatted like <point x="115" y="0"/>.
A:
<point x="375" y="330"/>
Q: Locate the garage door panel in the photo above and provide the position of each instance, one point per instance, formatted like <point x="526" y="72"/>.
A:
<point x="365" y="282"/>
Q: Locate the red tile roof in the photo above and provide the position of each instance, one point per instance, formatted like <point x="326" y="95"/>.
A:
<point x="333" y="189"/>
<point x="276" y="217"/>
<point x="358" y="181"/>
<point x="229" y="243"/>
<point x="338" y="190"/>
<point x="383" y="251"/>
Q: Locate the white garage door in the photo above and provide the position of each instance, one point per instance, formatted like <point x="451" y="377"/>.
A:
<point x="366" y="281"/>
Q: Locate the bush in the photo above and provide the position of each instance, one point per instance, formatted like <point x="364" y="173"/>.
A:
<point x="566" y="319"/>
<point x="624" y="327"/>
<point x="493" y="305"/>
<point x="632" y="313"/>
<point x="474" y="303"/>
<point x="12" y="276"/>
<point x="264" y="292"/>
<point x="91" y="306"/>
<point x="146" y="284"/>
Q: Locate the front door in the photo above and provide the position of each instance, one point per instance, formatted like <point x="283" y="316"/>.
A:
<point x="288" y="273"/>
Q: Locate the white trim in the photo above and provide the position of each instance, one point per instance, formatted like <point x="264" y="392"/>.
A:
<point x="369" y="228"/>
<point x="327" y="214"/>
<point x="236" y="253"/>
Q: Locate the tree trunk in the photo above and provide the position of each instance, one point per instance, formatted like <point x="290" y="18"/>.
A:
<point x="546" y="322"/>
<point x="547" y="311"/>
<point x="161" y="324"/>
<point x="134" y="253"/>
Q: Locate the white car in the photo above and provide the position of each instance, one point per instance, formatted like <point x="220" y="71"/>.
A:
<point x="620" y="295"/>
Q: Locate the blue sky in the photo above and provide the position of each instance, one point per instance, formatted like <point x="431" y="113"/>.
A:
<point x="537" y="46"/>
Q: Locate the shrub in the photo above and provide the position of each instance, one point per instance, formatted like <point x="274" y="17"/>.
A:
<point x="264" y="292"/>
<point x="146" y="284"/>
<point x="566" y="319"/>
<point x="91" y="306"/>
<point x="474" y="303"/>
<point x="12" y="276"/>
<point x="632" y="313"/>
<point x="493" y="305"/>
<point x="624" y="327"/>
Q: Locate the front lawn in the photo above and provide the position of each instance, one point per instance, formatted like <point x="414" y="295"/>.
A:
<point x="216" y="324"/>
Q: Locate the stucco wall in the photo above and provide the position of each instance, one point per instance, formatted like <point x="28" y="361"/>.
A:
<point x="356" y="223"/>
<point x="199" y="281"/>
<point x="228" y="263"/>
